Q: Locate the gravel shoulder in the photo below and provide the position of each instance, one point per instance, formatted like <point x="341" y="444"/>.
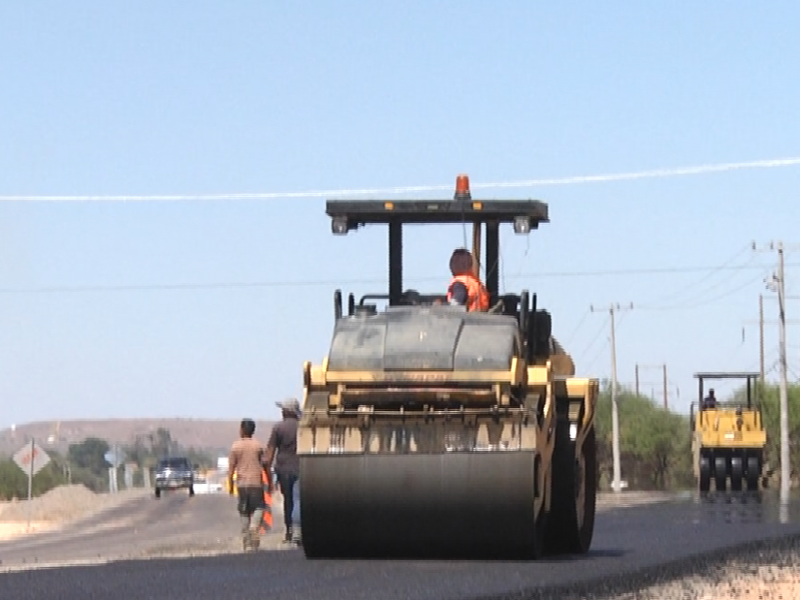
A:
<point x="765" y="571"/>
<point x="59" y="507"/>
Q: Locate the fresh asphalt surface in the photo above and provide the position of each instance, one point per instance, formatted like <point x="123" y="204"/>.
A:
<point x="626" y="540"/>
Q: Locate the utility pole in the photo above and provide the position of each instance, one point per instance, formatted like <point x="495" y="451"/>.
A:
<point x="761" y="336"/>
<point x="778" y="283"/>
<point x="666" y="393"/>
<point x="637" y="379"/>
<point x="612" y="309"/>
<point x="784" y="400"/>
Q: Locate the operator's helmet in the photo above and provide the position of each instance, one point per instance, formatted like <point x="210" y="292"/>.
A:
<point x="461" y="261"/>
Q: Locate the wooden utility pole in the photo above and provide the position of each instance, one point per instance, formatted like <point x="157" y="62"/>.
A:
<point x="784" y="400"/>
<point x="637" y="379"/>
<point x="761" y="336"/>
<point x="666" y="397"/>
<point x="616" y="485"/>
<point x="778" y="283"/>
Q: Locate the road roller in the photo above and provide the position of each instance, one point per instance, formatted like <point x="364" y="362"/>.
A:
<point x="431" y="431"/>
<point x="728" y="438"/>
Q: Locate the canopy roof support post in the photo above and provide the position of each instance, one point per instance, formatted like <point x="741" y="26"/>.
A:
<point x="395" y="262"/>
<point x="492" y="264"/>
<point x="476" y="250"/>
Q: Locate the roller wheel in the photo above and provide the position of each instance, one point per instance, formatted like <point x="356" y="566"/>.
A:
<point x="737" y="473"/>
<point x="720" y="473"/>
<point x="753" y="473"/>
<point x="421" y="505"/>
<point x="570" y="524"/>
<point x="705" y="474"/>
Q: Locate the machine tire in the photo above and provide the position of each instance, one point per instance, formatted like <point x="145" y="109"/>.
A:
<point x="753" y="474"/>
<point x="705" y="474"/>
<point x="737" y="473"/>
<point x="720" y="473"/>
<point x="570" y="524"/>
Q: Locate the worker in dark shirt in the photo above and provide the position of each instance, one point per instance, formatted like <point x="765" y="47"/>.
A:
<point x="710" y="401"/>
<point x="282" y="449"/>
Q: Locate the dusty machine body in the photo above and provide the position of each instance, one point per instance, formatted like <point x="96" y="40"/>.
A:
<point x="428" y="430"/>
<point x="728" y="440"/>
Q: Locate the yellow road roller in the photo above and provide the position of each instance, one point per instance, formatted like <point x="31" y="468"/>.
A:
<point x="430" y="430"/>
<point x="728" y="438"/>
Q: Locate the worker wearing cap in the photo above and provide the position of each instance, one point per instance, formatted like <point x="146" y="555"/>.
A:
<point x="246" y="462"/>
<point x="465" y="289"/>
<point x="282" y="449"/>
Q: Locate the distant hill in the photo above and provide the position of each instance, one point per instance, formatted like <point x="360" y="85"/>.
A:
<point x="202" y="434"/>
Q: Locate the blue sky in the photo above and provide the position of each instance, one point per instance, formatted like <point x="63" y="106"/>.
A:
<point x="255" y="97"/>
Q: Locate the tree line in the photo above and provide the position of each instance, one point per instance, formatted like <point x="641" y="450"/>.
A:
<point x="84" y="463"/>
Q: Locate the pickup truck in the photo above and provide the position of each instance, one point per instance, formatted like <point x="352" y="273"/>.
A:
<point x="173" y="474"/>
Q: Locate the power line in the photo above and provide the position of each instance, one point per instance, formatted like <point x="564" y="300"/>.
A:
<point x="695" y="291"/>
<point x="706" y="301"/>
<point x="647" y="174"/>
<point x="379" y="281"/>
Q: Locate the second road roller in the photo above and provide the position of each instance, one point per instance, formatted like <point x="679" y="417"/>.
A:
<point x="432" y="431"/>
<point x="728" y="438"/>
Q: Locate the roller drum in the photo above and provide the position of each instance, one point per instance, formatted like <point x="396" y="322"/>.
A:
<point x="471" y="504"/>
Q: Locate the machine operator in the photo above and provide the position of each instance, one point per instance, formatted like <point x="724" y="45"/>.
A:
<point x="710" y="401"/>
<point x="465" y="289"/>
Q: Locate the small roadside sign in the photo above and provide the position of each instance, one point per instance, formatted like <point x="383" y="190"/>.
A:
<point x="112" y="458"/>
<point x="31" y="453"/>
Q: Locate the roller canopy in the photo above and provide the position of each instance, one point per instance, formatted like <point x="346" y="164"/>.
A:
<point x="413" y="338"/>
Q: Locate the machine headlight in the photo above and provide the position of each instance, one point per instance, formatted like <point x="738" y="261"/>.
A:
<point x="339" y="225"/>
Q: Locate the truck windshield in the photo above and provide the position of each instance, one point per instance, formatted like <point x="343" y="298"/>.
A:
<point x="173" y="463"/>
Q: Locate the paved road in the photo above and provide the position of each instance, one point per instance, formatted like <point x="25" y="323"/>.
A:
<point x="626" y="541"/>
<point x="143" y="527"/>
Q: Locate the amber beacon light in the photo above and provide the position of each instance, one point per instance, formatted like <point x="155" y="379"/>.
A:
<point x="462" y="188"/>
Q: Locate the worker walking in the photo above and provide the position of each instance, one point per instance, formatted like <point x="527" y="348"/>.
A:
<point x="246" y="463"/>
<point x="465" y="288"/>
<point x="282" y="449"/>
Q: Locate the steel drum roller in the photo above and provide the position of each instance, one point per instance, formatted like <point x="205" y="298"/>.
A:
<point x="446" y="505"/>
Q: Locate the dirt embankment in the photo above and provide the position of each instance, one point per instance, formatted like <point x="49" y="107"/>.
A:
<point x="58" y="507"/>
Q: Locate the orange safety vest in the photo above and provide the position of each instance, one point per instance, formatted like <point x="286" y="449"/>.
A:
<point x="477" y="294"/>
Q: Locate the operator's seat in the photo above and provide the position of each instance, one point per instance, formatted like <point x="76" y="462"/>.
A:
<point x="414" y="298"/>
<point x="410" y="298"/>
<point x="510" y="304"/>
